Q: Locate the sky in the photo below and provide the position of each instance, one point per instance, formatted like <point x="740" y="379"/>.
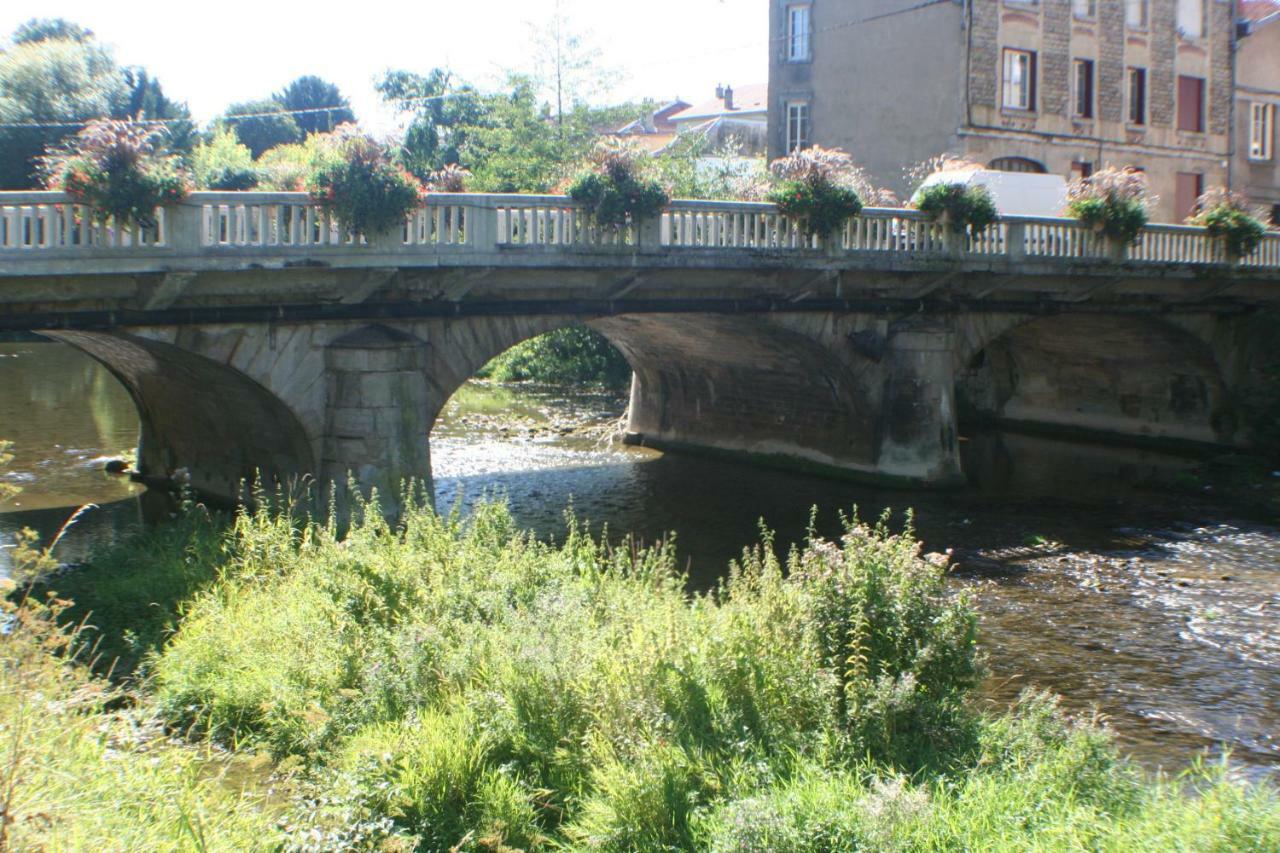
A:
<point x="214" y="54"/>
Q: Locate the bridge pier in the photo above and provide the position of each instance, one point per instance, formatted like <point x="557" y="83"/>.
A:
<point x="918" y="431"/>
<point x="377" y="413"/>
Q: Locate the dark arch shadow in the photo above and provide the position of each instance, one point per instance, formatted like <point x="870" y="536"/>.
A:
<point x="196" y="415"/>
<point x="1107" y="375"/>
<point x="741" y="385"/>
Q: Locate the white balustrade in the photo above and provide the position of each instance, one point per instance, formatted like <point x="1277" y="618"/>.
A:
<point x="50" y="224"/>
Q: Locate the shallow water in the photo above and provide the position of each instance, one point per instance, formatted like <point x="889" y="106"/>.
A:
<point x="1094" y="576"/>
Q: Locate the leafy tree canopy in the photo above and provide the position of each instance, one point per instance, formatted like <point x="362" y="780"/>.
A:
<point x="50" y="29"/>
<point x="143" y="98"/>
<point x="442" y="112"/>
<point x="312" y="93"/>
<point x="55" y="83"/>
<point x="264" y="126"/>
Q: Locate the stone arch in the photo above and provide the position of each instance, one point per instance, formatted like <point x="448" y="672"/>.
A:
<point x="1017" y="164"/>
<point x="730" y="383"/>
<point x="197" y="415"/>
<point x="1131" y="376"/>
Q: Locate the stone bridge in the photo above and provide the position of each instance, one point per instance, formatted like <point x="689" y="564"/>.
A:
<point x="255" y="333"/>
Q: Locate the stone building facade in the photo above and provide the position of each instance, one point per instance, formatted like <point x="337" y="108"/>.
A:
<point x="1059" y="86"/>
<point x="1256" y="166"/>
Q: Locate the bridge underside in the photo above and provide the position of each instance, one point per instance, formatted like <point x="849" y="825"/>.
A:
<point x="853" y="394"/>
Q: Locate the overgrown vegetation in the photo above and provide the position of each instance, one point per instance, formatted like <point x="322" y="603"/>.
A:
<point x="614" y="187"/>
<point x="959" y="207"/>
<point x="363" y="187"/>
<point x="1113" y="202"/>
<point x="816" y="188"/>
<point x="576" y="355"/>
<point x="1229" y="218"/>
<point x="118" y="169"/>
<point x="454" y="684"/>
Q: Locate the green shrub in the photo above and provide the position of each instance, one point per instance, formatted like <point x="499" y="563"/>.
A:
<point x="1227" y="217"/>
<point x="364" y="188"/>
<point x="118" y="169"/>
<point x="453" y="683"/>
<point x="1112" y="202"/>
<point x="576" y="355"/>
<point x="964" y="208"/>
<point x="223" y="163"/>
<point x="614" y="190"/>
<point x="816" y="187"/>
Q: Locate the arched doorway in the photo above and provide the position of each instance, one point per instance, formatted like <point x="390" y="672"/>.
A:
<point x="1017" y="164"/>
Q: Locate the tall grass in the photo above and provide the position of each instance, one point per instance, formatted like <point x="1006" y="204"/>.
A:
<point x="453" y="684"/>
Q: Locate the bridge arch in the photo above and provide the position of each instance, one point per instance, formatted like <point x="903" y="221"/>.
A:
<point x="726" y="383"/>
<point x="199" y="416"/>
<point x="1132" y="376"/>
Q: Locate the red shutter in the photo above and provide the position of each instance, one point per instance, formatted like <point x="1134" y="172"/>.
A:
<point x="1190" y="187"/>
<point x="1191" y="104"/>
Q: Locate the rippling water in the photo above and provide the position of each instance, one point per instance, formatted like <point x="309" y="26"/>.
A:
<point x="1094" y="578"/>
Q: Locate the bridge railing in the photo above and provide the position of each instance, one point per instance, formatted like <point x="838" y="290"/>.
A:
<point x="50" y="224"/>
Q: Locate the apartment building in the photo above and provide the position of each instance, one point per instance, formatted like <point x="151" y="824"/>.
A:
<point x="1255" y="169"/>
<point x="1059" y="86"/>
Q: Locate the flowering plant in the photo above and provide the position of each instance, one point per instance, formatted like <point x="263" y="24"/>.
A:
<point x="1228" y="217"/>
<point x="119" y="169"/>
<point x="363" y="188"/>
<point x="1113" y="202"/>
<point x="962" y="207"/>
<point x="818" y="187"/>
<point x="613" y="187"/>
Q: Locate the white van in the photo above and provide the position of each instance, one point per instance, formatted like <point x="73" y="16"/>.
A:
<point x="1014" y="193"/>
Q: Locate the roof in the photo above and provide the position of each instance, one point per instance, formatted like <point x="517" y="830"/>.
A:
<point x="1259" y="11"/>
<point x="747" y="100"/>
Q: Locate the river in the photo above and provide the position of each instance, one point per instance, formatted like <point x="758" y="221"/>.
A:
<point x="1107" y="575"/>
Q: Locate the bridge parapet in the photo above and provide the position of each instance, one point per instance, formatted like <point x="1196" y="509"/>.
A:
<point x="50" y="226"/>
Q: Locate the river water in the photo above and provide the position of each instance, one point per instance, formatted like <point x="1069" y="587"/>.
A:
<point x="1106" y="575"/>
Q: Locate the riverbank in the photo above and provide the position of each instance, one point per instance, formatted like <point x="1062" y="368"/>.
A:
<point x="459" y="683"/>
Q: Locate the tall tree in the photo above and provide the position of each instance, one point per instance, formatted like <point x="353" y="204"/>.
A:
<point x="50" y="29"/>
<point x="264" y="125"/>
<point x="442" y="112"/>
<point x="312" y="93"/>
<point x="52" y="85"/>
<point x="567" y="64"/>
<point x="144" y="98"/>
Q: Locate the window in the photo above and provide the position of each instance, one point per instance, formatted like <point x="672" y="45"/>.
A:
<point x="1136" y="14"/>
<point x="799" y="33"/>
<point x="1191" y="103"/>
<point x="1262" y="131"/>
<point x="1137" y="96"/>
<point x="797" y="126"/>
<point x="1191" y="18"/>
<point x="1275" y="214"/>
<point x="1084" y="9"/>
<point x="1083" y="82"/>
<point x="1081" y="169"/>
<point x="1019" y="79"/>
<point x="1189" y="189"/>
<point x="1017" y="164"/>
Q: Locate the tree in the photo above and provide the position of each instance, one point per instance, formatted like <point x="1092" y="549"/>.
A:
<point x="50" y="29"/>
<point x="312" y="93"/>
<point x="567" y="65"/>
<point x="442" y="112"/>
<point x="264" y="126"/>
<point x="143" y="99"/>
<point x="55" y="85"/>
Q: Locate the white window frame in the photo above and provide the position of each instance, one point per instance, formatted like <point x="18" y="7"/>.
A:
<point x="1262" y="130"/>
<point x="798" y="126"/>
<point x="1190" y="19"/>
<point x="1077" y="65"/>
<point x="1018" y="90"/>
<point x="1137" y="14"/>
<point x="1084" y="10"/>
<point x="799" y="32"/>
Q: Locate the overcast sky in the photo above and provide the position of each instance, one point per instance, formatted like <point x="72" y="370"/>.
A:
<point x="211" y="54"/>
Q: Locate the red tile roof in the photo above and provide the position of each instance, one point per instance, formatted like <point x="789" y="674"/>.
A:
<point x="746" y="100"/>
<point x="1257" y="10"/>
